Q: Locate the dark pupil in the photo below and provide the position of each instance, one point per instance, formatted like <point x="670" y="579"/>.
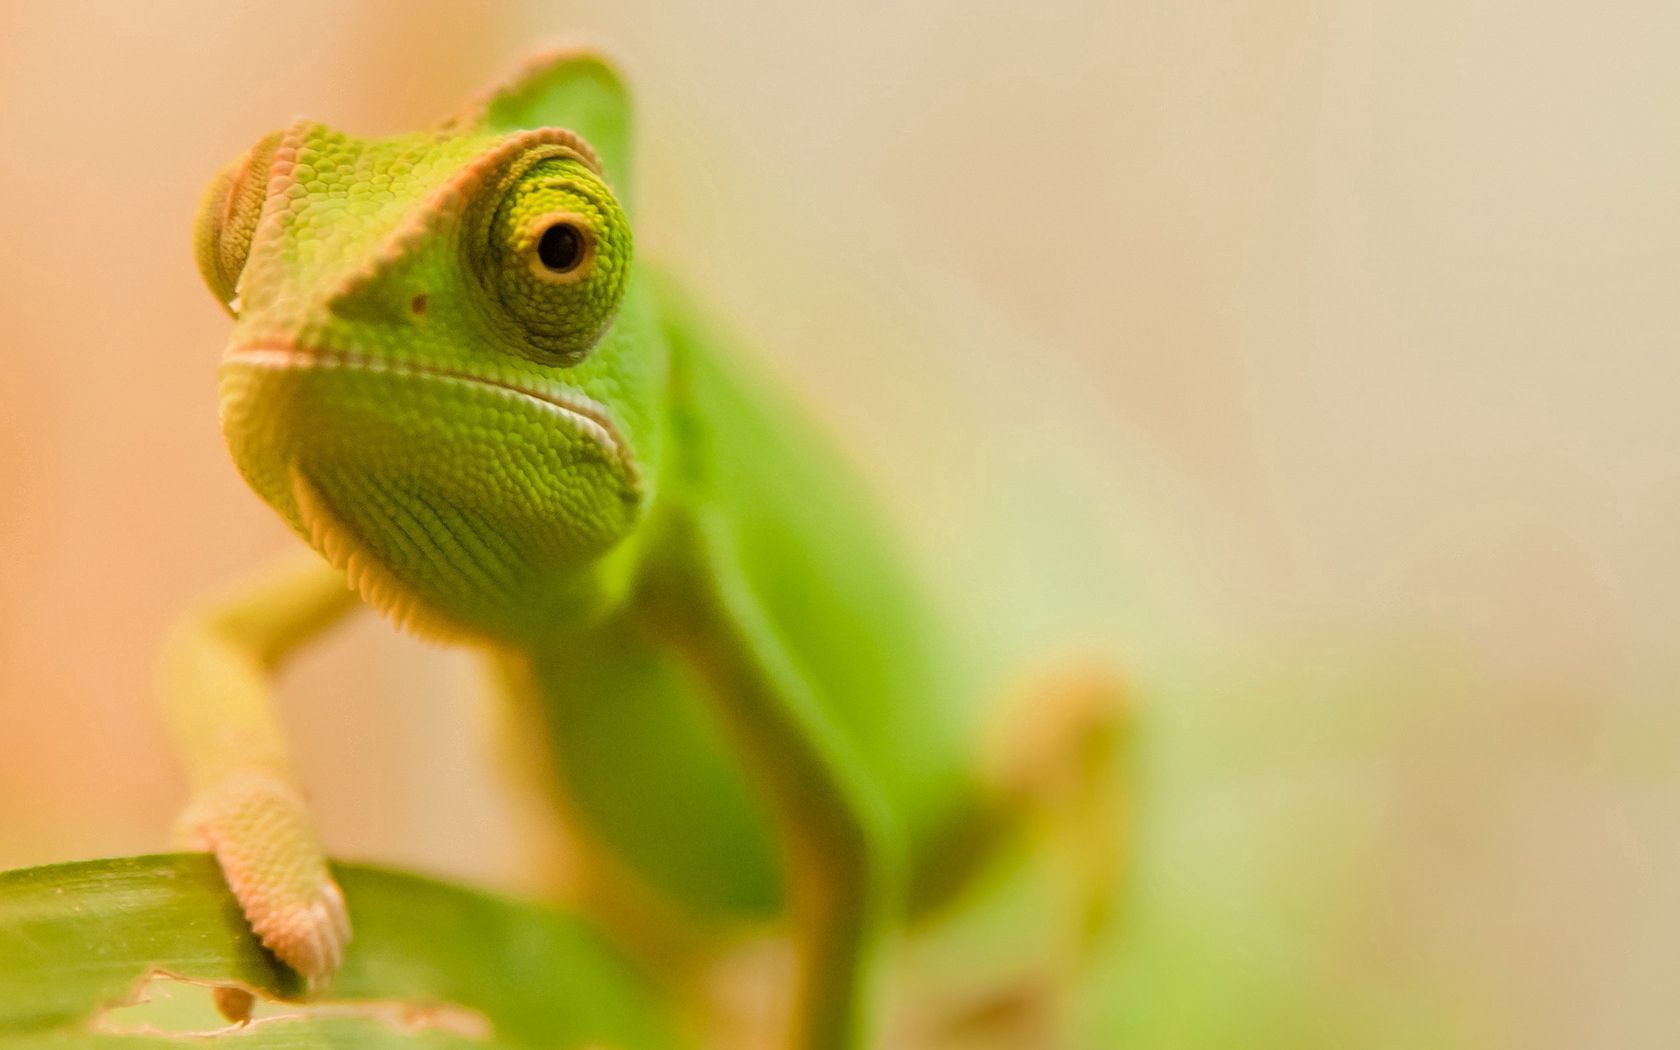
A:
<point x="561" y="247"/>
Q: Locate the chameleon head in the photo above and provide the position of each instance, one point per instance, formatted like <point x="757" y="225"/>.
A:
<point x="442" y="371"/>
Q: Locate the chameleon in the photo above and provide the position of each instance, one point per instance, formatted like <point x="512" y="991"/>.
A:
<point x="489" y="421"/>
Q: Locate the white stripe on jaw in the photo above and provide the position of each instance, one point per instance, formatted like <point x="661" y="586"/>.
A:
<point x="585" y="413"/>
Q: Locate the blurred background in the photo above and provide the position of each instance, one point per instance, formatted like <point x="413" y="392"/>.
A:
<point x="1318" y="358"/>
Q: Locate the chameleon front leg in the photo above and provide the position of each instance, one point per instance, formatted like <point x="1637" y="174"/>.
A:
<point x="245" y="805"/>
<point x="841" y="851"/>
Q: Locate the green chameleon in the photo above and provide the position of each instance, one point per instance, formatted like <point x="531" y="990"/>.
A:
<point x="450" y="376"/>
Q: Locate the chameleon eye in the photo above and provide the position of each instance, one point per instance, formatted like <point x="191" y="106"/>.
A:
<point x="227" y="219"/>
<point x="564" y="248"/>
<point x="558" y="258"/>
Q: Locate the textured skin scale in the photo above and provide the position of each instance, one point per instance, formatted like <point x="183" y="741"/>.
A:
<point x="749" y="714"/>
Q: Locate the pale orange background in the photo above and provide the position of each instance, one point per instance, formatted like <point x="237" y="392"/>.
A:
<point x="1328" y="346"/>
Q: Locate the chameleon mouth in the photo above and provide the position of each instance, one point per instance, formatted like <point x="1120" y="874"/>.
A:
<point x="580" y="412"/>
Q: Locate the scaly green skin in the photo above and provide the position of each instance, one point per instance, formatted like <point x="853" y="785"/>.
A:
<point x="540" y="451"/>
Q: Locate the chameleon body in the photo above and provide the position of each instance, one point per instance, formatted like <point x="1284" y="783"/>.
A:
<point x="451" y="377"/>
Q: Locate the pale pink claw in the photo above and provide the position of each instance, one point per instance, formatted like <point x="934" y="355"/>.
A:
<point x="262" y="838"/>
<point x="309" y="938"/>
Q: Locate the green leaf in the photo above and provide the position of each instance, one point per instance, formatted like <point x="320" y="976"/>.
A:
<point x="431" y="965"/>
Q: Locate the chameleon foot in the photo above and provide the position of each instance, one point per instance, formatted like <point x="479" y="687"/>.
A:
<point x="1061" y="761"/>
<point x="261" y="836"/>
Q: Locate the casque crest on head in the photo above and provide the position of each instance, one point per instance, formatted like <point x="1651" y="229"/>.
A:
<point x="568" y="99"/>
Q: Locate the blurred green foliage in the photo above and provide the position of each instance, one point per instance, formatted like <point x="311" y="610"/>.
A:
<point x="432" y="966"/>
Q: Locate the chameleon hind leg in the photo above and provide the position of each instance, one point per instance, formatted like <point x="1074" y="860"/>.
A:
<point x="245" y="805"/>
<point x="1058" y="763"/>
<point x="1026" y="880"/>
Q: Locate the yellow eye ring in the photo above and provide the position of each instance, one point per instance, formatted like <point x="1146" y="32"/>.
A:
<point x="561" y="247"/>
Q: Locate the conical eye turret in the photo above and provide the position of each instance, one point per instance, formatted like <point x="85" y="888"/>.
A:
<point x="556" y="255"/>
<point x="227" y="219"/>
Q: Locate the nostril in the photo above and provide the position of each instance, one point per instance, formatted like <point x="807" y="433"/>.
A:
<point x="419" y="303"/>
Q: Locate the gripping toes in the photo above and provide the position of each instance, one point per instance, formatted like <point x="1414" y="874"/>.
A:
<point x="256" y="826"/>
